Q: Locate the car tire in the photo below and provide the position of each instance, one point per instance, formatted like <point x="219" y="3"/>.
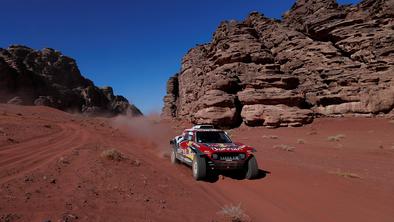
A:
<point x="174" y="160"/>
<point x="252" y="169"/>
<point x="199" y="168"/>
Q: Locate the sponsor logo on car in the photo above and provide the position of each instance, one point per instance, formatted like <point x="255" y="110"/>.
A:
<point x="224" y="147"/>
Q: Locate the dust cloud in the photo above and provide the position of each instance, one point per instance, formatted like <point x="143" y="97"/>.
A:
<point x="149" y="129"/>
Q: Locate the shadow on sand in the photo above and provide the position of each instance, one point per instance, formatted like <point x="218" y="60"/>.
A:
<point x="235" y="175"/>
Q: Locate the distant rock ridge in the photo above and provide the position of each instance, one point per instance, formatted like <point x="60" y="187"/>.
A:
<point x="46" y="77"/>
<point x="321" y="59"/>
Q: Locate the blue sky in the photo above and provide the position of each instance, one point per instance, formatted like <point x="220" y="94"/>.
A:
<point x="133" y="46"/>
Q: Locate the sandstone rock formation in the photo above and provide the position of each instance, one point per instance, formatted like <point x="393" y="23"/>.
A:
<point x="49" y="78"/>
<point x="321" y="59"/>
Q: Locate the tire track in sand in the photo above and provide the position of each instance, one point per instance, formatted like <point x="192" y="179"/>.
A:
<point x="20" y="159"/>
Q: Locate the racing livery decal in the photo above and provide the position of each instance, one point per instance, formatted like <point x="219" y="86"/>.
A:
<point x="224" y="147"/>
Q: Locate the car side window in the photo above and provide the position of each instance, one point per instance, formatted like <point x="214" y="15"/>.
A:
<point x="188" y="136"/>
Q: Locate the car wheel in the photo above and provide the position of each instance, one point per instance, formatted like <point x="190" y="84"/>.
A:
<point x="174" y="160"/>
<point x="199" y="167"/>
<point x="252" y="169"/>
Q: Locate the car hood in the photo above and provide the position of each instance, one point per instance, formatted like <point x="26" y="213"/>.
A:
<point x="224" y="146"/>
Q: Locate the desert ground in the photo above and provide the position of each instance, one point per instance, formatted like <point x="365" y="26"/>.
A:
<point x="56" y="166"/>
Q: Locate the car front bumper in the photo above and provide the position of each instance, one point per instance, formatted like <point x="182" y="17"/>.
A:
<point x="226" y="165"/>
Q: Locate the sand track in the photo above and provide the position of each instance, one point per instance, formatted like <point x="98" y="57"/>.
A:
<point x="52" y="173"/>
<point x="19" y="159"/>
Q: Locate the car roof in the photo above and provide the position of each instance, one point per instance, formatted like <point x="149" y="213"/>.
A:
<point x="204" y="130"/>
<point x="204" y="126"/>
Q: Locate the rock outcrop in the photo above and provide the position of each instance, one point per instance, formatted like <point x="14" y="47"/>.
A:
<point x="48" y="78"/>
<point x="321" y="59"/>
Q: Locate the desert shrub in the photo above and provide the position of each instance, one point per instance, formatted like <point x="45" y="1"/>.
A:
<point x="300" y="141"/>
<point x="112" y="154"/>
<point x="285" y="147"/>
<point x="336" y="138"/>
<point x="235" y="213"/>
<point x="346" y="174"/>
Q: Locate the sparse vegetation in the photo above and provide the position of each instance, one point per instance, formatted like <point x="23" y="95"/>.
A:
<point x="270" y="137"/>
<point x="63" y="160"/>
<point x="136" y="162"/>
<point x="346" y="174"/>
<point x="285" y="147"/>
<point x="300" y="141"/>
<point x="336" y="138"/>
<point x="235" y="213"/>
<point x="112" y="154"/>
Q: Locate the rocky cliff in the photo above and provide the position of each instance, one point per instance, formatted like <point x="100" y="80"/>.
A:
<point x="49" y="78"/>
<point x="320" y="59"/>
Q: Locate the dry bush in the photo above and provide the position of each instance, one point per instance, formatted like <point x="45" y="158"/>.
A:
<point x="346" y="174"/>
<point x="300" y="141"/>
<point x="336" y="138"/>
<point x="112" y="154"/>
<point x="234" y="213"/>
<point x="285" y="147"/>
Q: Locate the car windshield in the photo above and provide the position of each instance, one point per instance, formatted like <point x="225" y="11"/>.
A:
<point x="212" y="137"/>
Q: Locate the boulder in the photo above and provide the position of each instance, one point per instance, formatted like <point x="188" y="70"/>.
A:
<point x="218" y="116"/>
<point x="216" y="98"/>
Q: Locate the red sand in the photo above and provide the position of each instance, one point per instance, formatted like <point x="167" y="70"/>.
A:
<point x="51" y="169"/>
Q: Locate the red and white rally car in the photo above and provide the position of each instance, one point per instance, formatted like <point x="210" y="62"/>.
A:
<point x="205" y="148"/>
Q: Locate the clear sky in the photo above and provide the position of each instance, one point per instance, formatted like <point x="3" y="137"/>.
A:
<point x="133" y="46"/>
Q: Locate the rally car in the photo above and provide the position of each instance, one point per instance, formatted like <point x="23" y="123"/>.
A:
<point x="205" y="148"/>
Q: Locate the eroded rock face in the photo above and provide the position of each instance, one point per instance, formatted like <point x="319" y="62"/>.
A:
<point x="275" y="116"/>
<point x="322" y="58"/>
<point x="48" y="78"/>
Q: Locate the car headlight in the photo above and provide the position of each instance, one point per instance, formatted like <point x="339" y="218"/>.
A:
<point x="242" y="156"/>
<point x="215" y="156"/>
